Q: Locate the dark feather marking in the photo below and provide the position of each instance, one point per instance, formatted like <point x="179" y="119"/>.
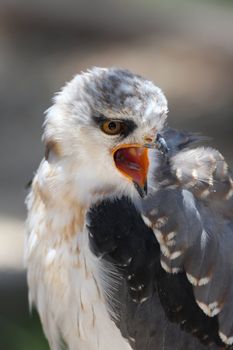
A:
<point x="123" y="239"/>
<point x="28" y="185"/>
<point x="178" y="140"/>
<point x="52" y="147"/>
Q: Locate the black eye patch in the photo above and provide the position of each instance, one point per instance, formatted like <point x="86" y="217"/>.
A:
<point x="129" y="125"/>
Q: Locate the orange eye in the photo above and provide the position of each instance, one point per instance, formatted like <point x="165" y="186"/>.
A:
<point x="112" y="127"/>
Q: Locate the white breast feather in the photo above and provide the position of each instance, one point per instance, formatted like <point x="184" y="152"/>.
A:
<point x="65" y="279"/>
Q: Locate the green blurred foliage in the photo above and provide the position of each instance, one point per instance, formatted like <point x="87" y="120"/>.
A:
<point x="24" y="334"/>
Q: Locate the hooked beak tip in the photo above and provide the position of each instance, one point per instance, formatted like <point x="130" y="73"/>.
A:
<point x="142" y="190"/>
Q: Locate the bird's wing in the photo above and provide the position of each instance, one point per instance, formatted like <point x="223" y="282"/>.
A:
<point x="190" y="210"/>
<point x="146" y="293"/>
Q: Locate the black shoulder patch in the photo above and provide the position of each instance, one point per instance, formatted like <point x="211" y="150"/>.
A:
<point x="150" y="301"/>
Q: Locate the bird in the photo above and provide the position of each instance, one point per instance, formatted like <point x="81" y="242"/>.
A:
<point x="129" y="232"/>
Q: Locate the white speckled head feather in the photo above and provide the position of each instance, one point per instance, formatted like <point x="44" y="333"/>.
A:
<point x="70" y="123"/>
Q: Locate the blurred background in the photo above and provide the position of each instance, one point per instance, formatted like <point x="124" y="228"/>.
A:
<point x="185" y="47"/>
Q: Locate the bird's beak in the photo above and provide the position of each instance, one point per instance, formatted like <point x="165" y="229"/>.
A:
<point x="132" y="161"/>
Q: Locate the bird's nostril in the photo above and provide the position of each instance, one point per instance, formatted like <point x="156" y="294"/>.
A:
<point x="148" y="139"/>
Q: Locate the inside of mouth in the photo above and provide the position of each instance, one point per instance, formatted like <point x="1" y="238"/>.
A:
<point x="131" y="161"/>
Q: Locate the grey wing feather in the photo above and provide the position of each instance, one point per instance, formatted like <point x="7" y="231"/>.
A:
<point x="190" y="209"/>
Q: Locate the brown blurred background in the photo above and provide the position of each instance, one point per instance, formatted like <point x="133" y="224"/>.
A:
<point x="185" y="47"/>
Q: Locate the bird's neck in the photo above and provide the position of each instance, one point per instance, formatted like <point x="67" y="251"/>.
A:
<point x="65" y="199"/>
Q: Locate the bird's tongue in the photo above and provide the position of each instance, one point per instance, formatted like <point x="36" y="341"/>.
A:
<point x="132" y="161"/>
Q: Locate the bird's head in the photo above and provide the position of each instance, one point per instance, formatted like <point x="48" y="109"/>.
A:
<point x="97" y="128"/>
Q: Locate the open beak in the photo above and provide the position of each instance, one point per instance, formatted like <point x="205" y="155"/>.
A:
<point x="132" y="161"/>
